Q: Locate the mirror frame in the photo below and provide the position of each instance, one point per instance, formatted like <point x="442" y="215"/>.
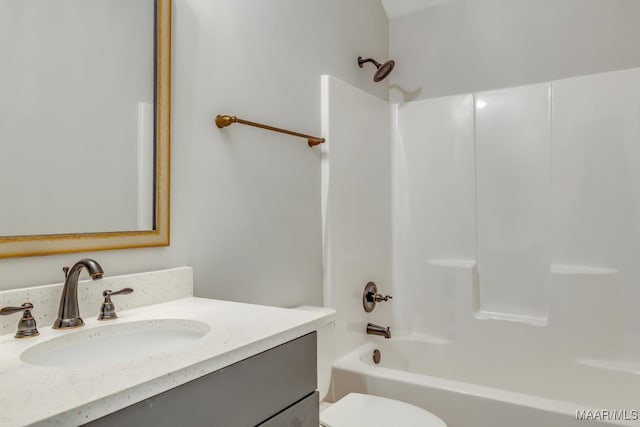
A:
<point x="22" y="246"/>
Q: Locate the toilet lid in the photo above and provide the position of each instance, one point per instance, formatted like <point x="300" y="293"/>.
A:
<point x="363" y="410"/>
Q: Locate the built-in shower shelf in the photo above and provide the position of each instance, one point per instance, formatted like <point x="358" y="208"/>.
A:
<point x="612" y="365"/>
<point x="574" y="292"/>
<point x="554" y="269"/>
<point x="581" y="270"/>
<point x="453" y="263"/>
<point x="512" y="317"/>
<point x="429" y="338"/>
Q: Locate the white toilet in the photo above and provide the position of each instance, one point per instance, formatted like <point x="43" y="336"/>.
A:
<point x="363" y="410"/>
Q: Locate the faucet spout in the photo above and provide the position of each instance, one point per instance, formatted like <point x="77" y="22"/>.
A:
<point x="68" y="310"/>
<point x="373" y="329"/>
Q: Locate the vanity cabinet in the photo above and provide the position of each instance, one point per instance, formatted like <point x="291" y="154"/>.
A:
<point x="276" y="388"/>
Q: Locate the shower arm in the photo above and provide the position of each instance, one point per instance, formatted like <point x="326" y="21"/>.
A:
<point x="362" y="61"/>
<point x="225" y="120"/>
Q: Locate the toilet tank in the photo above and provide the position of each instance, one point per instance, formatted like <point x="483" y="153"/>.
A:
<point x="326" y="350"/>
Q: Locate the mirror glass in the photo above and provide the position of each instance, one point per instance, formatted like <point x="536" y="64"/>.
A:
<point x="84" y="100"/>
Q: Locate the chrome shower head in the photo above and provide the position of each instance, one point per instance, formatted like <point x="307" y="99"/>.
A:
<point x="383" y="69"/>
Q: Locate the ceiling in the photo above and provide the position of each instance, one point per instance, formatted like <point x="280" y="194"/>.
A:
<point x="395" y="8"/>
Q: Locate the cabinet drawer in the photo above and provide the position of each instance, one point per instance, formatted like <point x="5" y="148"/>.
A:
<point x="241" y="395"/>
<point x="305" y="413"/>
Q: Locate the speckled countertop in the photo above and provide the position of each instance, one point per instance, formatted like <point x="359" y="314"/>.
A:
<point x="46" y="396"/>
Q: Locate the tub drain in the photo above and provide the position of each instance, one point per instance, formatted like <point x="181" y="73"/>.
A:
<point x="376" y="356"/>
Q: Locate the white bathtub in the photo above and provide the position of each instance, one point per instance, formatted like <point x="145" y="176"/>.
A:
<point x="485" y="390"/>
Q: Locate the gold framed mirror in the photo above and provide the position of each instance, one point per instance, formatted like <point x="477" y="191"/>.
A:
<point x="155" y="229"/>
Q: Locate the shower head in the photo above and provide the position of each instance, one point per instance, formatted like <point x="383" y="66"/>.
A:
<point x="383" y="69"/>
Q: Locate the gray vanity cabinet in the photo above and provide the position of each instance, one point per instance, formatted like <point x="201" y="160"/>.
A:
<point x="276" y="388"/>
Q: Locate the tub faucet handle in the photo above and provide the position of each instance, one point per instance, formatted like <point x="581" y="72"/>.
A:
<point x="380" y="298"/>
<point x="370" y="297"/>
<point x="27" y="324"/>
<point x="108" y="310"/>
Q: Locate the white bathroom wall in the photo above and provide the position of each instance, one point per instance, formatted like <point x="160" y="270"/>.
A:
<point x="463" y="46"/>
<point x="356" y="207"/>
<point x="245" y="208"/>
<point x="252" y="220"/>
<point x="521" y="205"/>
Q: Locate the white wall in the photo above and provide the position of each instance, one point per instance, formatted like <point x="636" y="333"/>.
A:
<point x="462" y="46"/>
<point x="245" y="208"/>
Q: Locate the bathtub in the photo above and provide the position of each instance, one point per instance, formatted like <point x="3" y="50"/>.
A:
<point x="482" y="389"/>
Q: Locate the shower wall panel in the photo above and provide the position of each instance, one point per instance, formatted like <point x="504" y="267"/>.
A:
<point x="596" y="184"/>
<point x="521" y="204"/>
<point x="356" y="207"/>
<point x="434" y="216"/>
<point x="512" y="181"/>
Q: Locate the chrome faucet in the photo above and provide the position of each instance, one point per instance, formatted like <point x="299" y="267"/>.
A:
<point x="373" y="329"/>
<point x="68" y="311"/>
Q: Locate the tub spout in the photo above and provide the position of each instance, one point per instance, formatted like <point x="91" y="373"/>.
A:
<point x="373" y="329"/>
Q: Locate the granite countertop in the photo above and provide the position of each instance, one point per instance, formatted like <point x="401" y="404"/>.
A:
<point x="47" y="396"/>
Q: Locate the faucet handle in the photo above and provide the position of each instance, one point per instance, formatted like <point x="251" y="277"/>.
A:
<point x="124" y="291"/>
<point x="27" y="324"/>
<point x="370" y="297"/>
<point x="65" y="270"/>
<point x="108" y="310"/>
<point x="380" y="298"/>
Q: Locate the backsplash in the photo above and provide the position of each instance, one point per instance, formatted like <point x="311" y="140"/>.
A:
<point x="148" y="288"/>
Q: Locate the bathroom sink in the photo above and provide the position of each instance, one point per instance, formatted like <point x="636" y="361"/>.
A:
<point x="118" y="342"/>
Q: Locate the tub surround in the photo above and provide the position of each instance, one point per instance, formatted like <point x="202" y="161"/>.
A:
<point x="72" y="396"/>
<point x="535" y="219"/>
<point x="514" y="245"/>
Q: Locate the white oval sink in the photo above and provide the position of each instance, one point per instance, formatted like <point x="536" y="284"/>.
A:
<point x="114" y="343"/>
